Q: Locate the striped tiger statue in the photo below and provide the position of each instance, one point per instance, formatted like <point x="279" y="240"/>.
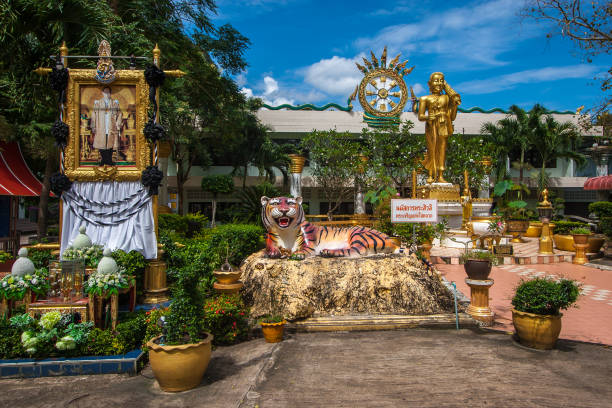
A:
<point x="289" y="234"/>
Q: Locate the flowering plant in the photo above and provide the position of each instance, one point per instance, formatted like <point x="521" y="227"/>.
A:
<point x="496" y="225"/>
<point x="5" y="256"/>
<point x="89" y="255"/>
<point x="226" y="318"/>
<point x="15" y="287"/>
<point x="107" y="283"/>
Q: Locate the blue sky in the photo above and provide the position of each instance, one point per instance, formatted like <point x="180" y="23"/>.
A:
<point x="304" y="51"/>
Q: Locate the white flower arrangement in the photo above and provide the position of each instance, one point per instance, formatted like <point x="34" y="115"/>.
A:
<point x="15" y="287"/>
<point x="108" y="283"/>
<point x="90" y="255"/>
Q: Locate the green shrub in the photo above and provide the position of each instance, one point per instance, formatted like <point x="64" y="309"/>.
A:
<point x="184" y="225"/>
<point x="605" y="224"/>
<point x="580" y="231"/>
<point x="479" y="255"/>
<point x="185" y="319"/>
<point x="134" y="263"/>
<point x="226" y="318"/>
<point x="545" y="296"/>
<point x="601" y="208"/>
<point x="41" y="257"/>
<point x="243" y="240"/>
<point x="564" y="227"/>
<point x="130" y="333"/>
<point x="10" y="340"/>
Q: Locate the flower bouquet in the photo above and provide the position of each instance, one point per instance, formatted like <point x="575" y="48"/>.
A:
<point x="496" y="225"/>
<point x="89" y="255"/>
<point x="108" y="283"/>
<point x="15" y="287"/>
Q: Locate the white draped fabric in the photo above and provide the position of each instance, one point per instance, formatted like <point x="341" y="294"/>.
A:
<point x="117" y="215"/>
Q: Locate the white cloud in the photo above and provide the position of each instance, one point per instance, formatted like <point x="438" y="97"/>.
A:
<point x="476" y="33"/>
<point x="271" y="86"/>
<point x="334" y="76"/>
<point x="509" y="81"/>
<point x="418" y="89"/>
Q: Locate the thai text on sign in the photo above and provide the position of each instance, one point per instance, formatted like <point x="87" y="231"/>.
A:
<point x="404" y="210"/>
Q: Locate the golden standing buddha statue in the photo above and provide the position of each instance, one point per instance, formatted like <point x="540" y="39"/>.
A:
<point x="438" y="111"/>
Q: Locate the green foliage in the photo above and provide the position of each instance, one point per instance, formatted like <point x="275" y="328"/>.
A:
<point x="601" y="208"/>
<point x="250" y="201"/>
<point x="134" y="264"/>
<point x="90" y="256"/>
<point x="218" y="184"/>
<point x="15" y="287"/>
<point x="271" y="319"/>
<point x="185" y="319"/>
<point x="180" y="223"/>
<point x="565" y="227"/>
<point x="5" y="256"/>
<point x="512" y="209"/>
<point x="10" y="340"/>
<point x="580" y="231"/>
<point x="380" y="195"/>
<point x="480" y="256"/>
<point x="545" y="296"/>
<point x="605" y="224"/>
<point x="41" y="257"/>
<point x="152" y="328"/>
<point x="467" y="152"/>
<point x="425" y="233"/>
<point x="335" y="163"/>
<point x="226" y="318"/>
<point x="130" y="333"/>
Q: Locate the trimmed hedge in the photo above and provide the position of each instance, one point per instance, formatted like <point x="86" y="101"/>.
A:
<point x="184" y="225"/>
<point x="545" y="296"/>
<point x="601" y="208"/>
<point x="564" y="227"/>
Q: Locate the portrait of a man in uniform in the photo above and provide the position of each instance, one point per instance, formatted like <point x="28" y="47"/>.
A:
<point x="106" y="124"/>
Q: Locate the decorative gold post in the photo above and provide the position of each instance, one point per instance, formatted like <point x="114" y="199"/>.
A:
<point x="414" y="184"/>
<point x="479" y="300"/>
<point x="545" y="211"/>
<point x="466" y="201"/>
<point x="155" y="287"/>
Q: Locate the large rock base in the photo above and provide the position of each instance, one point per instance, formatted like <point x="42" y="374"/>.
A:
<point x="378" y="284"/>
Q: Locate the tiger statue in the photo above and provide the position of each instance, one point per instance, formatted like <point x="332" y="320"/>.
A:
<point x="289" y="234"/>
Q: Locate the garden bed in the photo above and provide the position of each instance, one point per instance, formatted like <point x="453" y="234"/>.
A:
<point x="50" y="367"/>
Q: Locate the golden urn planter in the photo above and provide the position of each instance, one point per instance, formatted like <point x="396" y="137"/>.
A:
<point x="179" y="368"/>
<point x="534" y="230"/>
<point x="537" y="331"/>
<point x="227" y="277"/>
<point x="517" y="228"/>
<point x="566" y="243"/>
<point x="273" y="332"/>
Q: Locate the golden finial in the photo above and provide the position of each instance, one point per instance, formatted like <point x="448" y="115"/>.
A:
<point x="383" y="58"/>
<point x="156" y="55"/>
<point x="545" y="202"/>
<point x="401" y="66"/>
<point x="374" y="59"/>
<point x="394" y="61"/>
<point x="63" y="53"/>
<point x="466" y="189"/>
<point x="367" y="63"/>
<point x="407" y="71"/>
<point x="361" y="68"/>
<point x="579" y="110"/>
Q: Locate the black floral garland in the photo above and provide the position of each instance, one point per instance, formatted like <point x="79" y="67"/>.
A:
<point x="60" y="183"/>
<point x="152" y="178"/>
<point x="154" y="131"/>
<point x="59" y="81"/>
<point x="60" y="131"/>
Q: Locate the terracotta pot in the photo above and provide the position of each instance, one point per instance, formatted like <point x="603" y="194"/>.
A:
<point x="477" y="269"/>
<point x="537" y="331"/>
<point x="580" y="239"/>
<point x="595" y="244"/>
<point x="179" y="368"/>
<point x="273" y="332"/>
<point x="227" y="278"/>
<point x="534" y="230"/>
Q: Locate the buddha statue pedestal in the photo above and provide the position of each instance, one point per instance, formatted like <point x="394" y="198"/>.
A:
<point x="449" y="202"/>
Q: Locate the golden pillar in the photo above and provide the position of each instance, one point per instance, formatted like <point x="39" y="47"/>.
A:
<point x="466" y="201"/>
<point x="479" y="300"/>
<point x="545" y="211"/>
<point x="155" y="286"/>
<point x="581" y="242"/>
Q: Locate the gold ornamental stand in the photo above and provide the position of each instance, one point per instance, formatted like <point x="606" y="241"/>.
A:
<point x="479" y="301"/>
<point x="155" y="285"/>
<point x="545" y="210"/>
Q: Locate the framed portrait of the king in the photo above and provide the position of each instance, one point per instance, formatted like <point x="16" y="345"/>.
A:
<point x="106" y="123"/>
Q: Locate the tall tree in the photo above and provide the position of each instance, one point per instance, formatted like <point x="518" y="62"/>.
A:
<point x="587" y="23"/>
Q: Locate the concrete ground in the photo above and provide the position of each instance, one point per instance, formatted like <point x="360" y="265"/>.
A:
<point x="425" y="368"/>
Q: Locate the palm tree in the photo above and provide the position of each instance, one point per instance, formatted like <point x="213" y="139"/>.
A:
<point x="552" y="140"/>
<point x="501" y="136"/>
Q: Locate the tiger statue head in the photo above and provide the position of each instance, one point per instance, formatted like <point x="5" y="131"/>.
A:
<point x="281" y="213"/>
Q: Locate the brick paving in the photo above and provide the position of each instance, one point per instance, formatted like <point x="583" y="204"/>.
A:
<point x="590" y="321"/>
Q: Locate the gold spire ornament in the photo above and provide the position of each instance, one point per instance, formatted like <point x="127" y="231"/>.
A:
<point x="105" y="71"/>
<point x="382" y="92"/>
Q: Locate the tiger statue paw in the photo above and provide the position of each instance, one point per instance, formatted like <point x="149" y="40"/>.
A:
<point x="288" y="232"/>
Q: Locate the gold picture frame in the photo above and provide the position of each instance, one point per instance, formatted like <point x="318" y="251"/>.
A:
<point x="80" y="163"/>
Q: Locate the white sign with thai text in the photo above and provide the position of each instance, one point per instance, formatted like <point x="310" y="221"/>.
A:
<point x="404" y="210"/>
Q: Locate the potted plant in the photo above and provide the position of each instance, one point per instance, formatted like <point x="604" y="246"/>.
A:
<point x="536" y="316"/>
<point x="562" y="236"/>
<point x="180" y="356"/>
<point x="514" y="211"/>
<point x="580" y="235"/>
<point x="477" y="264"/>
<point x="272" y="327"/>
<point x="6" y="261"/>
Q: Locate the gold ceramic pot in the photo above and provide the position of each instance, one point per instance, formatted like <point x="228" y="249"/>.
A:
<point x="179" y="368"/>
<point x="537" y="331"/>
<point x="517" y="228"/>
<point x="534" y="230"/>
<point x="273" y="332"/>
<point x="227" y="277"/>
<point x="581" y="239"/>
<point x="566" y="243"/>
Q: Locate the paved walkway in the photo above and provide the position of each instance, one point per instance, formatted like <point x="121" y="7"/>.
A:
<point x="403" y="368"/>
<point x="590" y="321"/>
